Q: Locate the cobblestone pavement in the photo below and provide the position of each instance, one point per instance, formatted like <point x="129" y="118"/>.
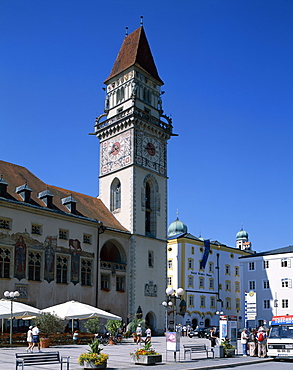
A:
<point x="119" y="357"/>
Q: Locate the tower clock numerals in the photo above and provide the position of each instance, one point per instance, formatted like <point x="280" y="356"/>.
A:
<point x="115" y="148"/>
<point x="151" y="149"/>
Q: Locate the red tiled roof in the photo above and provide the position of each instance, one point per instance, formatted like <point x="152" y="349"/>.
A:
<point x="86" y="205"/>
<point x="135" y="50"/>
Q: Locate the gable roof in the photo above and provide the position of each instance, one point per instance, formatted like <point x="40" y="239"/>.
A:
<point x="135" y="50"/>
<point x="86" y="206"/>
<point x="282" y="250"/>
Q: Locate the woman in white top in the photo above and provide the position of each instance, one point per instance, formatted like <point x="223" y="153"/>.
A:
<point x="29" y="339"/>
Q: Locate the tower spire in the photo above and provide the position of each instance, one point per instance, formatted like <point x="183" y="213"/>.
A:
<point x="141" y="20"/>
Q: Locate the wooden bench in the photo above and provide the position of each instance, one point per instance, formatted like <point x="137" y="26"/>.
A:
<point x="196" y="349"/>
<point x="40" y="358"/>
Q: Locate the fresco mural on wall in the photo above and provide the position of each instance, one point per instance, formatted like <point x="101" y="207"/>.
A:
<point x="50" y="248"/>
<point x="19" y="258"/>
<point x="75" y="260"/>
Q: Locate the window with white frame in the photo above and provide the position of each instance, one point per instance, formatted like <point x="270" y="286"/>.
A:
<point x="105" y="282"/>
<point x="191" y="300"/>
<point x="251" y="285"/>
<point x="211" y="266"/>
<point x="266" y="304"/>
<point x="286" y="283"/>
<point x="211" y="284"/>
<point x="237" y="286"/>
<point x="5" y="262"/>
<point x="120" y="283"/>
<point x="169" y="280"/>
<point x="192" y="250"/>
<point x="34" y="266"/>
<point x="251" y="266"/>
<point x="63" y="234"/>
<point x="285" y="262"/>
<point x="202" y="301"/>
<point x="266" y="264"/>
<point x="62" y="264"/>
<point x="36" y="229"/>
<point x="228" y="285"/>
<point x="285" y="303"/>
<point x="170" y="264"/>
<point x="266" y="284"/>
<point x="5" y="223"/>
<point x="201" y="283"/>
<point x="237" y="271"/>
<point x="86" y="272"/>
<point x="227" y="269"/>
<point x="213" y="302"/>
<point x="190" y="281"/>
<point x="190" y="263"/>
<point x="228" y="303"/>
<point x="87" y="238"/>
<point x="237" y="305"/>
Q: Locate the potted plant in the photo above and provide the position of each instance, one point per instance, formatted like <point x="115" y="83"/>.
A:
<point x="93" y="359"/>
<point x="146" y="355"/>
<point x="49" y="324"/>
<point x="229" y="349"/>
<point x="113" y="326"/>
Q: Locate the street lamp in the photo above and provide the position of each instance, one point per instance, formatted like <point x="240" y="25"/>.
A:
<point x="173" y="295"/>
<point x="166" y="304"/>
<point x="10" y="296"/>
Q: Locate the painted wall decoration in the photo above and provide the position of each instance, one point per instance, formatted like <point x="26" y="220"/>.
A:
<point x="50" y="245"/>
<point x="19" y="258"/>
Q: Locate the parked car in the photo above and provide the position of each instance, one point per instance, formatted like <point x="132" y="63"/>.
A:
<point x="199" y="332"/>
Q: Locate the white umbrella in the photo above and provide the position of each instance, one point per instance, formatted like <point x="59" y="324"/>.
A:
<point x="77" y="310"/>
<point x="19" y="310"/>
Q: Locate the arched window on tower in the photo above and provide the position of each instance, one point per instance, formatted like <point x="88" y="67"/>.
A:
<point x="150" y="191"/>
<point x="115" y="201"/>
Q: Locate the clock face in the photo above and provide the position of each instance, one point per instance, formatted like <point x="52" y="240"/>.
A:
<point x="150" y="153"/>
<point x="151" y="149"/>
<point x="115" y="153"/>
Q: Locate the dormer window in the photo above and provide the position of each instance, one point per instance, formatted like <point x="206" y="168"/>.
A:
<point x="25" y="192"/>
<point x="47" y="197"/>
<point x="3" y="187"/>
<point x="69" y="203"/>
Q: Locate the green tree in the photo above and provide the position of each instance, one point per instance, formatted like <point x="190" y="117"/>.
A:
<point x="112" y="326"/>
<point x="49" y="323"/>
<point x="92" y="325"/>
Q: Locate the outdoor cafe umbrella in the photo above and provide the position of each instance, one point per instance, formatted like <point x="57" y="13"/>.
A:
<point x="76" y="310"/>
<point x="19" y="310"/>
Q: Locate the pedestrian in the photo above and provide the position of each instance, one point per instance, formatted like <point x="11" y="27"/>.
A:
<point x="36" y="337"/>
<point x="262" y="342"/>
<point x="75" y="337"/>
<point x="244" y="341"/>
<point x="148" y="333"/>
<point x="213" y="338"/>
<point x="29" y="339"/>
<point x="184" y="330"/>
<point x="138" y="333"/>
<point x="252" y="342"/>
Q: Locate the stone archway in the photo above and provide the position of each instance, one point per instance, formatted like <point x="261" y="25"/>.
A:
<point x="194" y="323"/>
<point x="150" y="320"/>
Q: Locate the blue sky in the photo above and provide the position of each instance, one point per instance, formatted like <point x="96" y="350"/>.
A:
<point x="227" y="68"/>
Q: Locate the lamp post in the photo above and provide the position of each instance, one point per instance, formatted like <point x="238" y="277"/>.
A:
<point x="166" y="304"/>
<point x="10" y="296"/>
<point x="174" y="294"/>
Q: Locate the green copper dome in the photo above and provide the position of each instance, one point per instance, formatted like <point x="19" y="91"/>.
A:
<point x="177" y="227"/>
<point x="242" y="234"/>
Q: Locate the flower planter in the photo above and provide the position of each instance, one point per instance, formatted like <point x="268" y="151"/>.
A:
<point x="146" y="359"/>
<point x="45" y="342"/>
<point x="91" y="365"/>
<point x="229" y="352"/>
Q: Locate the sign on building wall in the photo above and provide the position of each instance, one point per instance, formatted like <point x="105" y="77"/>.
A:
<point x="250" y="305"/>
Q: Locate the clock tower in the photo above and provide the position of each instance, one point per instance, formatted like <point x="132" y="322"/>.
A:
<point x="133" y="134"/>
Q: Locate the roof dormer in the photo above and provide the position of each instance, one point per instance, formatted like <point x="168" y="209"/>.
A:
<point x="25" y="192"/>
<point x="47" y="197"/>
<point x="69" y="203"/>
<point x="3" y="187"/>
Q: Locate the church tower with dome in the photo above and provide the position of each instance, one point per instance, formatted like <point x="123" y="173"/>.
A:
<point x="242" y="241"/>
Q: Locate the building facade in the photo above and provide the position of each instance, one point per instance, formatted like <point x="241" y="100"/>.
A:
<point x="269" y="275"/>
<point x="58" y="245"/>
<point x="210" y="274"/>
